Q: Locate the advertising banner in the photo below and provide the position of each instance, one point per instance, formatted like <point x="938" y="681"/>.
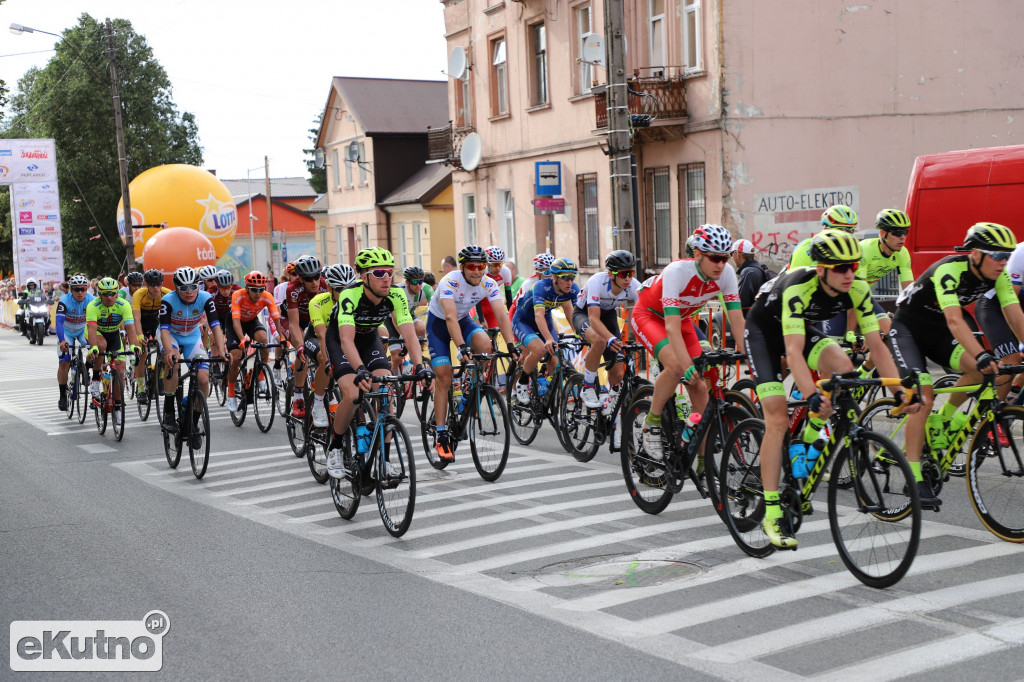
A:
<point x="30" y="168"/>
<point x="27" y="161"/>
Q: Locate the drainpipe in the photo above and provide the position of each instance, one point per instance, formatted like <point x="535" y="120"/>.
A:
<point x="722" y="113"/>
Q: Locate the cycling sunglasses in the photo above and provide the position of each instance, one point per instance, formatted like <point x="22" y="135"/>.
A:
<point x="997" y="255"/>
<point x="567" y="278"/>
<point x="257" y="290"/>
<point x="310" y="278"/>
<point x="108" y="293"/>
<point x="716" y="259"/>
<point x="898" y="231"/>
<point x="415" y="282"/>
<point x="475" y="267"/>
<point x="188" y="287"/>
<point x="842" y="267"/>
<point x="381" y="273"/>
<point x="624" y="274"/>
<point x="79" y="290"/>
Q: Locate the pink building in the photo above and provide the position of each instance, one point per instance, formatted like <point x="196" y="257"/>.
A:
<point x="764" y="113"/>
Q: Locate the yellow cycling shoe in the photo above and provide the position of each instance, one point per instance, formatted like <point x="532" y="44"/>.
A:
<point x="778" y="537"/>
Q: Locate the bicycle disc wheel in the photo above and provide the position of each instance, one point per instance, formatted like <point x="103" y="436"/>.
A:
<point x="876" y="519"/>
<point x="238" y="416"/>
<point x="396" y="495"/>
<point x="263" y="398"/>
<point x="199" y="435"/>
<point x="646" y="478"/>
<point x="741" y="491"/>
<point x="578" y="422"/>
<point x="82" y="398"/>
<point x="72" y="390"/>
<point x="995" y="474"/>
<point x="428" y="433"/>
<point x="488" y="434"/>
<point x="172" y="444"/>
<point x="117" y="405"/>
<point x="524" y="422"/>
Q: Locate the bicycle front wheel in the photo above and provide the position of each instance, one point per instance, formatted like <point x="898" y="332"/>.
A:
<point x="714" y="446"/>
<point x="144" y="408"/>
<point x="117" y="405"/>
<point x="263" y="397"/>
<point x="995" y="474"/>
<point x="396" y="493"/>
<point x="488" y="434"/>
<point x="428" y="433"/>
<point x="172" y="443"/>
<point x="199" y="436"/>
<point x="646" y="477"/>
<point x="741" y="490"/>
<point x="238" y="416"/>
<point x="82" y="399"/>
<point x="578" y="422"/>
<point x="100" y="410"/>
<point x="522" y="418"/>
<point x="874" y="510"/>
<point x="72" y="394"/>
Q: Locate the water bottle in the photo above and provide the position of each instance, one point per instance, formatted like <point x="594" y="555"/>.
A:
<point x="542" y="385"/>
<point x="460" y="399"/>
<point x="406" y="366"/>
<point x="796" y="394"/>
<point x="362" y="439"/>
<point x="689" y="425"/>
<point x="682" y="406"/>
<point x="798" y="459"/>
<point x="608" y="403"/>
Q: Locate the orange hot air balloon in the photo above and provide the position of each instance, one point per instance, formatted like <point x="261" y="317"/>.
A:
<point x="175" y="247"/>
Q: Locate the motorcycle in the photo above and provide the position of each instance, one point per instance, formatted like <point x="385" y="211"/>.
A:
<point x="20" y="318"/>
<point x="38" y="318"/>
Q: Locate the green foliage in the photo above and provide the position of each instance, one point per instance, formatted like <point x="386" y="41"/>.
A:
<point x="70" y="100"/>
<point x="317" y="176"/>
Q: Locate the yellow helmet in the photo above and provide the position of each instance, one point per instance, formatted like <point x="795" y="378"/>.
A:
<point x="832" y="247"/>
<point x="990" y="237"/>
<point x="839" y="217"/>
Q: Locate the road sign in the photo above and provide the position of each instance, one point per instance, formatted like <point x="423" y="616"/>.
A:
<point x="548" y="205"/>
<point x="549" y="178"/>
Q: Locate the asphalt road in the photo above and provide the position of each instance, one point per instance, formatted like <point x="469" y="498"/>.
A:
<point x="551" y="572"/>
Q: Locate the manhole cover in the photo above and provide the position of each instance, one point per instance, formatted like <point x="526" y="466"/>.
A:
<point x="604" y="572"/>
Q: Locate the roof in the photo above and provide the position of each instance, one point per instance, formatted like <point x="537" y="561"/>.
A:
<point x="395" y="106"/>
<point x="280" y="188"/>
<point x="318" y="206"/>
<point x="421" y="186"/>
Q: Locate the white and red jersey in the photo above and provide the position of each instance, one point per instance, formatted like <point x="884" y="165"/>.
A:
<point x="681" y="289"/>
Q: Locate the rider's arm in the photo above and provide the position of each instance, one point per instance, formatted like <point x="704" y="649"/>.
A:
<point x="542" y="321"/>
<point x="236" y="315"/>
<point x="293" y="324"/>
<point x="129" y="325"/>
<point x="60" y="321"/>
<point x="211" y="318"/>
<point x="737" y="323"/>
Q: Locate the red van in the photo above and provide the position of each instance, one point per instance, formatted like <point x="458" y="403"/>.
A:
<point x="949" y="192"/>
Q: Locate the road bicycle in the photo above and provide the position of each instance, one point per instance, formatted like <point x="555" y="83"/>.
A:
<point x="994" y="465"/>
<point x="410" y="392"/>
<point x="478" y="415"/>
<point x="546" y="393"/>
<point x="192" y="418"/>
<point x="112" y="399"/>
<point x="254" y="386"/>
<point x="152" y="378"/>
<point x="287" y="375"/>
<point x="376" y="439"/>
<point x="873" y="508"/>
<point x="78" y="383"/>
<point x="318" y="439"/>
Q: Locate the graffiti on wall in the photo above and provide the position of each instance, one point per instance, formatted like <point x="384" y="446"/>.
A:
<point x="784" y="219"/>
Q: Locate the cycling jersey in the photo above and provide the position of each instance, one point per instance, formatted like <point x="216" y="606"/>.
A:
<point x="801" y="257"/>
<point x="355" y="309"/>
<point x="416" y="300"/>
<point x="223" y="303"/>
<point x="108" y="318"/>
<point x="797" y="298"/>
<point x="182" y="319"/>
<point x="524" y="287"/>
<point x="71" y="316"/>
<point x="949" y="282"/>
<point x="542" y="297"/>
<point x="146" y="304"/>
<point x="874" y="266"/>
<point x="245" y="309"/>
<point x="682" y="290"/>
<point x="320" y="309"/>
<point x="598" y="292"/>
<point x="298" y="298"/>
<point x="454" y="287"/>
<point x="1015" y="266"/>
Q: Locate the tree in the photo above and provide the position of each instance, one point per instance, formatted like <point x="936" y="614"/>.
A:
<point x="69" y="100"/>
<point x="317" y="176"/>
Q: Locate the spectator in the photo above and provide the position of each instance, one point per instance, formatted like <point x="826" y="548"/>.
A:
<point x="447" y="265"/>
<point x="517" y="280"/>
<point x="428" y="278"/>
<point x="272" y="280"/>
<point x="750" y="273"/>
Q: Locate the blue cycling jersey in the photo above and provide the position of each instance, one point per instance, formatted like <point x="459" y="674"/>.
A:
<point x="182" y="319"/>
<point x="71" y="315"/>
<point x="543" y="295"/>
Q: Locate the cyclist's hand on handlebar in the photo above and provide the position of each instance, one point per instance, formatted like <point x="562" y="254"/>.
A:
<point x="425" y="375"/>
<point x="986" y="363"/>
<point x="94" y="350"/>
<point x="465" y="352"/>
<point x="550" y="346"/>
<point x="364" y="379"/>
<point x="64" y="345"/>
<point x="614" y="344"/>
<point x="908" y="403"/>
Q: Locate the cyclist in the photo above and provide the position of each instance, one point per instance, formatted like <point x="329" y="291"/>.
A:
<point x="281" y="328"/>
<point x="930" y="322"/>
<point x="595" y="318"/>
<point x="323" y="317"/>
<point x="662" y="320"/>
<point x="449" y="321"/>
<point x="105" y="317"/>
<point x="417" y="293"/>
<point x="181" y="313"/>
<point x="223" y="291"/>
<point x="358" y="354"/>
<point x="835" y="217"/>
<point x="784" y="322"/>
<point x="146" y="311"/>
<point x="246" y="305"/>
<point x="71" y="321"/>
<point x="532" y="324"/>
<point x="133" y="282"/>
<point x="541" y="264"/>
<point x="1001" y="338"/>
<point x="307" y="284"/>
<point x="208" y="273"/>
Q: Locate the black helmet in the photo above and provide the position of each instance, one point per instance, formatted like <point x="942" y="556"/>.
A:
<point x="153" y="277"/>
<point x="890" y="219"/>
<point x="472" y="254"/>
<point x="620" y="260"/>
<point x="134" y="277"/>
<point x="413" y="272"/>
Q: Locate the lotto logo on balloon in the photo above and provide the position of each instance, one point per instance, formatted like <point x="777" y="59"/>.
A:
<point x="219" y="217"/>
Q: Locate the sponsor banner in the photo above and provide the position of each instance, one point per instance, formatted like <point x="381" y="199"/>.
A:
<point x="28" y="161"/>
<point x="38" y="246"/>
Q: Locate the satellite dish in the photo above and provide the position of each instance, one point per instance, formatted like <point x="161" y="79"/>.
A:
<point x="593" y="49"/>
<point x="318" y="158"/>
<point x="471" y="152"/>
<point x="457" y="63"/>
<point x="353" y="152"/>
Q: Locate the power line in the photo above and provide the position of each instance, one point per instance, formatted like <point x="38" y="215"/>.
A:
<point x="120" y="263"/>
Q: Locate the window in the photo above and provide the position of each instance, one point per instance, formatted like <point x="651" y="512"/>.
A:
<point x="463" y="102"/>
<point x="586" y="192"/>
<point x="362" y="163"/>
<point x="417" y="242"/>
<point x="469" y="217"/>
<point x="584" y="71"/>
<point x="692" y="35"/>
<point x="656" y="35"/>
<point x="348" y="170"/>
<point x="365" y="243"/>
<point x="691" y="198"/>
<point x="499" y="78"/>
<point x="539" y="72"/>
<point x="336" y="168"/>
<point x="400" y="251"/>
<point x="659" y="216"/>
<point x="340" y="253"/>
<point x="507" y="223"/>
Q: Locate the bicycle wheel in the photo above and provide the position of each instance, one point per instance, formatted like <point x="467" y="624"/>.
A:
<point x="522" y="418"/>
<point x="488" y="434"/>
<point x="646" y="478"/>
<point x="742" y="400"/>
<point x="263" y="397"/>
<point x="117" y="404"/>
<point x="298" y="429"/>
<point x="741" y="492"/>
<point x="319" y="441"/>
<point x="244" y="377"/>
<point x="219" y="383"/>
<point x="714" y="446"/>
<point x="284" y="395"/>
<point x="995" y="474"/>
<point x="145" y="408"/>
<point x="82" y="398"/>
<point x="72" y="389"/>
<point x="199" y="436"/>
<point x="100" y="410"/>
<point x="396" y="495"/>
<point x="345" y="491"/>
<point x="748" y="388"/>
<point x="876" y="519"/>
<point x="172" y="443"/>
<point x="428" y="433"/>
<point x="578" y="422"/>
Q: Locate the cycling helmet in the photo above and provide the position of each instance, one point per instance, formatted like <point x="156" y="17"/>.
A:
<point x="254" y="279"/>
<point x="495" y="254"/>
<point x="542" y="262"/>
<point x="620" y="260"/>
<point x="413" y="272"/>
<point x="185" y="276"/>
<point x="832" y="247"/>
<point x="892" y="219"/>
<point x="349" y="275"/>
<point x="564" y="266"/>
<point x="839" y="217"/>
<point x="472" y="254"/>
<point x="688" y="247"/>
<point x="307" y="266"/>
<point x="208" y="272"/>
<point x="134" y="277"/>
<point x="336" y="276"/>
<point x="712" y="239"/>
<point x="375" y="257"/>
<point x="31" y="282"/>
<point x="153" y="277"/>
<point x="107" y="284"/>
<point x="78" y="281"/>
<point x="225" y="278"/>
<point x="990" y="237"/>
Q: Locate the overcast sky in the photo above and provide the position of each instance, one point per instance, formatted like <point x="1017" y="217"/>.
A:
<point x="254" y="72"/>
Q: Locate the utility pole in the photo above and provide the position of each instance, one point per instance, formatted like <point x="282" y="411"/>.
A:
<point x="270" y="218"/>
<point x="620" y="147"/>
<point x="122" y="155"/>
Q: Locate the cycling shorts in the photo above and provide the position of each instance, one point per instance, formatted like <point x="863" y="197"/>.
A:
<point x="765" y="353"/>
<point x="311" y="344"/>
<point x="69" y="337"/>
<point x="992" y="321"/>
<point x="114" y="344"/>
<point x="609" y="318"/>
<point x="369" y="346"/>
<point x="248" y="329"/>
<point x="649" y="329"/>
<point x="439" y="341"/>
<point x="524" y="328"/>
<point x="913" y="341"/>
<point x="191" y="347"/>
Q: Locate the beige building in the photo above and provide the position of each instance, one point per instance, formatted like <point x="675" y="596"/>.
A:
<point x="761" y="113"/>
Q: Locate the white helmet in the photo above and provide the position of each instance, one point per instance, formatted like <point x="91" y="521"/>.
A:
<point x="712" y="239"/>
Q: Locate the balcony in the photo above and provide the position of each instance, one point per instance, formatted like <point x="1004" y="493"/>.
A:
<point x="663" y="99"/>
<point x="445" y="143"/>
